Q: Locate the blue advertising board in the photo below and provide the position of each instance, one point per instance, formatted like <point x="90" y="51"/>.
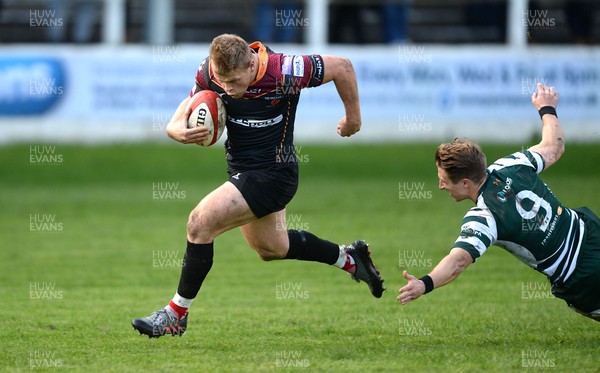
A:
<point x="30" y="85"/>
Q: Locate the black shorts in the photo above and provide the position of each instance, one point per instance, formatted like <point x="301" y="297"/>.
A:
<point x="266" y="190"/>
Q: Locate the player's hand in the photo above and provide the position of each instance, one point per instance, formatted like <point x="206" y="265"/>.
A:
<point x="347" y="128"/>
<point x="177" y="130"/>
<point x="545" y="96"/>
<point x="414" y="289"/>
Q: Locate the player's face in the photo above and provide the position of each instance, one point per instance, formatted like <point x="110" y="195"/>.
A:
<point x="236" y="82"/>
<point x="457" y="191"/>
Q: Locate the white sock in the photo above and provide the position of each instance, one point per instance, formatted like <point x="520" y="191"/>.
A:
<point x="342" y="258"/>
<point x="171" y="312"/>
<point x="181" y="301"/>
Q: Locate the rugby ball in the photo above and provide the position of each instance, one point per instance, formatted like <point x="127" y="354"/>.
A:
<point x="208" y="110"/>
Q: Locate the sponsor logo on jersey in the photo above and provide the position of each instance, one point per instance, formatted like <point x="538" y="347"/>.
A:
<point x="298" y="64"/>
<point x="256" y="123"/>
<point x="318" y="67"/>
<point x="274" y="97"/>
<point x="470" y="232"/>
<point x="508" y="184"/>
<point x="502" y="194"/>
<point x="286" y="67"/>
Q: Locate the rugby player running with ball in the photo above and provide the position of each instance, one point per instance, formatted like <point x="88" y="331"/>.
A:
<point x="261" y="90"/>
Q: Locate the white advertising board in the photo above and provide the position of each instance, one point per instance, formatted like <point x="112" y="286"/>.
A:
<point x="407" y="93"/>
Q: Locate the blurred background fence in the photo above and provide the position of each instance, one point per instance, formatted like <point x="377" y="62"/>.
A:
<point x="428" y="70"/>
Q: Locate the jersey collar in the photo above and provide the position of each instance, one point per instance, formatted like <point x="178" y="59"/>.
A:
<point x="483" y="185"/>
<point x="263" y="58"/>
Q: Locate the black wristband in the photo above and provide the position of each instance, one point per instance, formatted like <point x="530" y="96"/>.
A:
<point x="428" y="283"/>
<point x="547" y="110"/>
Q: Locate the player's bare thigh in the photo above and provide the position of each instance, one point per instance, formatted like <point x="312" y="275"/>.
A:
<point x="268" y="236"/>
<point x="221" y="210"/>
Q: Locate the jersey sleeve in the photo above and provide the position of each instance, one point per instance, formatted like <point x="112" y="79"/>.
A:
<point x="477" y="232"/>
<point x="525" y="158"/>
<point x="202" y="78"/>
<point x="302" y="71"/>
<point x="536" y="160"/>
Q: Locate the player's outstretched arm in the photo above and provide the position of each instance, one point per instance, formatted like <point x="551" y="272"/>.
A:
<point x="552" y="146"/>
<point x="177" y="128"/>
<point x="447" y="270"/>
<point x="340" y="70"/>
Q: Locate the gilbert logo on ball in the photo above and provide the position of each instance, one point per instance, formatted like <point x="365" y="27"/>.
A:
<point x="208" y="110"/>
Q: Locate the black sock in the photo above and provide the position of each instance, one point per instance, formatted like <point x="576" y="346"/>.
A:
<point x="307" y="246"/>
<point x="197" y="261"/>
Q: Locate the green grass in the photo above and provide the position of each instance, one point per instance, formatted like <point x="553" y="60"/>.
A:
<point x="99" y="258"/>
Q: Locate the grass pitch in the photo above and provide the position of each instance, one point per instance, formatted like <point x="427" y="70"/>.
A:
<point x="92" y="237"/>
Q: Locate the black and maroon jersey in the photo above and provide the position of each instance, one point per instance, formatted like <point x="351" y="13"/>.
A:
<point x="260" y="125"/>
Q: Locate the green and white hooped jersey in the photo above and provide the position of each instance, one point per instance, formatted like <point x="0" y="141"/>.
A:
<point x="518" y="212"/>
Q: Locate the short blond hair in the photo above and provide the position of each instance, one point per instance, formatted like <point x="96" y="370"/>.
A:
<point x="229" y="52"/>
<point x="462" y="158"/>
